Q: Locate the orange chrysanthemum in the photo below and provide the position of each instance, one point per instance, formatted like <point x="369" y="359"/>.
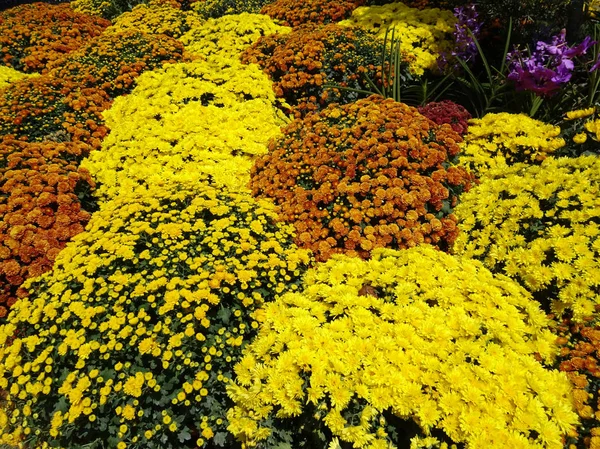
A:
<point x="40" y="208"/>
<point x="370" y="174"/>
<point x="300" y="63"/>
<point x="580" y="351"/>
<point x="31" y="36"/>
<point x="293" y="13"/>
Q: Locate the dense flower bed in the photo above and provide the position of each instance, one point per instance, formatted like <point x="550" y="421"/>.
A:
<point x="157" y="19"/>
<point x="293" y="13"/>
<point x="366" y="175"/>
<point x="300" y="63"/>
<point x="539" y="225"/>
<point x="46" y="199"/>
<point x="213" y="234"/>
<point x="185" y="118"/>
<point x="152" y="311"/>
<point x="33" y="35"/>
<point x="423" y="34"/>
<point x="36" y="108"/>
<point x="114" y="60"/>
<point x="505" y="139"/>
<point x="580" y="349"/>
<point x="212" y="9"/>
<point x="9" y="75"/>
<point x="40" y="208"/>
<point x="415" y="334"/>
<point x="229" y="36"/>
<point x="448" y="112"/>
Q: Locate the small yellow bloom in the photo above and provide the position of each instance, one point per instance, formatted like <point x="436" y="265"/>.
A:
<point x="580" y="138"/>
<point x="579" y="113"/>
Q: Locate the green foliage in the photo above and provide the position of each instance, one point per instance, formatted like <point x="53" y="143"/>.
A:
<point x="397" y="82"/>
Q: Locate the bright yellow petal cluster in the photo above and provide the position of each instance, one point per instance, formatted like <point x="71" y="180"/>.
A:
<point x="594" y="128"/>
<point x="157" y="19"/>
<point x="593" y="8"/>
<point x="540" y="225"/>
<point x="504" y="139"/>
<point x="145" y="311"/>
<point x="220" y="8"/>
<point x="429" y="443"/>
<point x="186" y="118"/>
<point x="102" y="8"/>
<point x="418" y="333"/>
<point x="579" y="113"/>
<point x="230" y="35"/>
<point x="423" y="34"/>
<point x="9" y="75"/>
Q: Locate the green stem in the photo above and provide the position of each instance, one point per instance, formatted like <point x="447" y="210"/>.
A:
<point x="535" y="105"/>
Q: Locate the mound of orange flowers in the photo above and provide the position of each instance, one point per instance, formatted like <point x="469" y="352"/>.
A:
<point x="31" y="36"/>
<point x="36" y="108"/>
<point x="579" y="359"/>
<point x="47" y="125"/>
<point x="364" y="175"/>
<point x="302" y="62"/>
<point x="40" y="208"/>
<point x="114" y="60"/>
<point x="293" y="13"/>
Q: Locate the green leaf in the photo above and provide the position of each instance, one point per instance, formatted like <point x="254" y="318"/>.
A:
<point x="184" y="435"/>
<point x="62" y="405"/>
<point x="220" y="438"/>
<point x="506" y="45"/>
<point x="486" y="65"/>
<point x="283" y="446"/>
<point x="223" y="314"/>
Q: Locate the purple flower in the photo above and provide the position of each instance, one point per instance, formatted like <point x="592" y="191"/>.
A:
<point x="547" y="68"/>
<point x="465" y="48"/>
<point x="582" y="48"/>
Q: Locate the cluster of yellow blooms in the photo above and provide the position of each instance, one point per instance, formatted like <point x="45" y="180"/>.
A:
<point x="142" y="317"/>
<point x="579" y="124"/>
<point x="593" y="127"/>
<point x="230" y="35"/>
<point x="416" y="333"/>
<point x="133" y="336"/>
<point x="100" y="8"/>
<point x="132" y="339"/>
<point x="593" y="8"/>
<point x="9" y="75"/>
<point x="540" y="225"/>
<point x="424" y="34"/>
<point x="185" y="118"/>
<point x="157" y="19"/>
<point x="218" y="8"/>
<point x="502" y="139"/>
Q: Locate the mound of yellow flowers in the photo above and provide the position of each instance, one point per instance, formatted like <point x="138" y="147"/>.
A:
<point x="132" y="338"/>
<point x="539" y="225"/>
<point x="413" y="335"/>
<point x="187" y="118"/>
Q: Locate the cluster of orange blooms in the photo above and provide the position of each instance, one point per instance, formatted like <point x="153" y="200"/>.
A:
<point x="79" y="86"/>
<point x="40" y="210"/>
<point x="32" y="36"/>
<point x="365" y="175"/>
<point x="113" y="61"/>
<point x="293" y="13"/>
<point x="47" y="124"/>
<point x="580" y="350"/>
<point x="302" y="62"/>
<point x="33" y="109"/>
